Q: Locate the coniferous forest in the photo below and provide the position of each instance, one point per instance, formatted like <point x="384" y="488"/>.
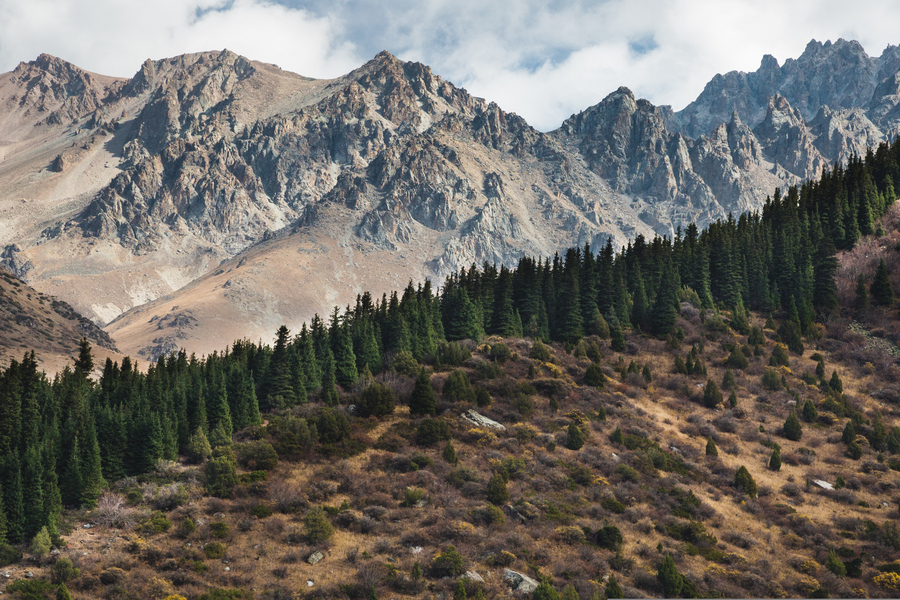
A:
<point x="62" y="441"/>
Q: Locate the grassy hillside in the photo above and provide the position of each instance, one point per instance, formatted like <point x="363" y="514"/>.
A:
<point x="644" y="471"/>
<point x="30" y="320"/>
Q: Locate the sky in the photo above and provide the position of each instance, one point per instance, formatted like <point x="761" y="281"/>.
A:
<point x="542" y="59"/>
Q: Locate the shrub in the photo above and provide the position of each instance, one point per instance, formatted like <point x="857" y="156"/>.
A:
<point x="671" y="580"/>
<point x="432" y="431"/>
<point x="736" y="359"/>
<point x="490" y="515"/>
<point x="771" y="380"/>
<point x="545" y="591"/>
<point x="613" y="505"/>
<point x="412" y="496"/>
<point x="609" y="537"/>
<point x="9" y="555"/>
<point x="594" y="376"/>
<point x="497" y="492"/>
<point x="744" y="482"/>
<point x="405" y="364"/>
<point x="482" y="397"/>
<point x="40" y="544"/>
<point x="779" y="357"/>
<point x="500" y="352"/>
<point x="221" y="476"/>
<point x="198" y="448"/>
<point x="540" y="351"/>
<point x="453" y="354"/>
<point x="575" y="437"/>
<point x="448" y="563"/>
<point x="835" y="564"/>
<point x="63" y="570"/>
<point x="156" y="523"/>
<point x="457" y="388"/>
<point x="185" y="528"/>
<point x="711" y="394"/>
<point x="792" y="428"/>
<point x="214" y="550"/>
<point x="449" y="453"/>
<point x="257" y="455"/>
<point x="317" y="526"/>
<point x="219" y="530"/>
<point x="377" y="400"/>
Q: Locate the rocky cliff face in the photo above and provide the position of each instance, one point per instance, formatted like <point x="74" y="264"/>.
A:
<point x="151" y="183"/>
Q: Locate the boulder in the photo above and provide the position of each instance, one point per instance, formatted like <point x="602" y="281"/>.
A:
<point x="482" y="421"/>
<point x="519" y="582"/>
<point x="315" y="557"/>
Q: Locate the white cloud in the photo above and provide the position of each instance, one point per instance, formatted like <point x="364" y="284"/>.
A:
<point x="543" y="60"/>
<point x="114" y="37"/>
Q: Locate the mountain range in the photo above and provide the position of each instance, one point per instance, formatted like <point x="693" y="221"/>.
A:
<point x="211" y="197"/>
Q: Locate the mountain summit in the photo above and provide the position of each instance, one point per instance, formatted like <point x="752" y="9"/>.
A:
<point x="211" y="197"/>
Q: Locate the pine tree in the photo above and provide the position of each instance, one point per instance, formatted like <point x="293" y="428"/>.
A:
<point x="497" y="492"/>
<point x="422" y="400"/>
<point x="775" y="459"/>
<point x="744" y="482"/>
<point x="613" y="589"/>
<point x="792" y="428"/>
<point x="575" y="437"/>
<point x="712" y="396"/>
<point x="344" y="359"/>
<point x="881" y="291"/>
<point x="449" y="454"/>
<point x="810" y="413"/>
<point x="711" y="449"/>
<point x="670" y="578"/>
<point x="861" y="300"/>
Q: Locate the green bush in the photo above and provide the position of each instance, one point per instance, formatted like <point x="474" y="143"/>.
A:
<point x="448" y="563"/>
<point x="9" y="555"/>
<point x="198" y="448"/>
<point x="609" y="537"/>
<point x="744" y="482"/>
<point x="377" y="400"/>
<point x="257" y="455"/>
<point x="497" y="492"/>
<point x="779" y="357"/>
<point x="405" y="364"/>
<point x="712" y="397"/>
<point x="613" y="505"/>
<point x="792" y="428"/>
<point x="490" y="515"/>
<point x="457" y="388"/>
<point x="540" y="351"/>
<point x="219" y="530"/>
<point x="452" y="354"/>
<point x="500" y="352"/>
<point x="771" y="380"/>
<point x="412" y="496"/>
<point x="214" y="550"/>
<point x="156" y="523"/>
<point x="317" y="526"/>
<point x="575" y="437"/>
<point x="185" y="528"/>
<point x="432" y="431"/>
<point x="63" y="570"/>
<point x="593" y="376"/>
<point x="40" y="544"/>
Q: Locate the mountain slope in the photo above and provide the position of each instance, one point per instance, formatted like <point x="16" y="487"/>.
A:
<point x="127" y="191"/>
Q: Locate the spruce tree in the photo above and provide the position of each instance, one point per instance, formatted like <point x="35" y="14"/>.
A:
<point x="861" y="300"/>
<point x="712" y="396"/>
<point x="711" y="449"/>
<point x="775" y="459"/>
<point x="670" y="578"/>
<point x="422" y="400"/>
<point x="792" y="428"/>
<point x="810" y="413"/>
<point x="881" y="291"/>
<point x="613" y="589"/>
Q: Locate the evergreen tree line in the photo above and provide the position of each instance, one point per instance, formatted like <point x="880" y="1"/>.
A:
<point x="62" y="440"/>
